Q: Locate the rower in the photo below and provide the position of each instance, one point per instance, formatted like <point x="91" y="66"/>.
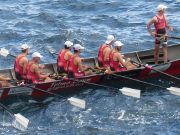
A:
<point x="34" y="73"/>
<point x="76" y="69"/>
<point x="4" y="82"/>
<point x="20" y="63"/>
<point x="117" y="62"/>
<point x="160" y="34"/>
<point x="103" y="55"/>
<point x="63" y="57"/>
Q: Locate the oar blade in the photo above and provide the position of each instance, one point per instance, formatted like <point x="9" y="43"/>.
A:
<point x="174" y="90"/>
<point x="20" y="122"/>
<point x="77" y="102"/>
<point x="4" y="52"/>
<point x="131" y="92"/>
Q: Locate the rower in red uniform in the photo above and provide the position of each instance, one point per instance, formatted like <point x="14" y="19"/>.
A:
<point x="103" y="55"/>
<point x="76" y="69"/>
<point x="63" y="57"/>
<point x="20" y="63"/>
<point x="34" y="73"/>
<point x="160" y="24"/>
<point x="117" y="62"/>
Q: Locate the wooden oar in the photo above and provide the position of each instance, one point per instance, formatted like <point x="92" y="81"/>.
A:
<point x="74" y="101"/>
<point x="4" y="52"/>
<point x="158" y="71"/>
<point x="173" y="90"/>
<point x="173" y="37"/>
<point x="20" y="122"/>
<point x="125" y="91"/>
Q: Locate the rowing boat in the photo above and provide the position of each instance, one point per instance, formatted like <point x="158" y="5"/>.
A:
<point x="69" y="85"/>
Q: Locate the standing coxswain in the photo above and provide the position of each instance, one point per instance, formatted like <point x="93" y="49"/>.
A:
<point x="160" y="34"/>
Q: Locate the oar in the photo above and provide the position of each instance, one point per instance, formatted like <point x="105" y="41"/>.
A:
<point x="173" y="90"/>
<point x="158" y="71"/>
<point x="4" y="52"/>
<point x="125" y="91"/>
<point x="20" y="122"/>
<point x="51" y="51"/>
<point x="173" y="37"/>
<point x="74" y="101"/>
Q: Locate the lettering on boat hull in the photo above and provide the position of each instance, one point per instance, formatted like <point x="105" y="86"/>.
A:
<point x="68" y="84"/>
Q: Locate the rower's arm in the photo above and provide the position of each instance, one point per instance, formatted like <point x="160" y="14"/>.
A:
<point x="2" y="78"/>
<point x="81" y="66"/>
<point x="152" y="21"/>
<point x="120" y="59"/>
<point x="106" y="54"/>
<point x="38" y="72"/>
<point x="68" y="55"/>
<point x="167" y="25"/>
<point x="25" y="61"/>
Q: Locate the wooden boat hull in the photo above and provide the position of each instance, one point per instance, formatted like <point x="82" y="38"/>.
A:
<point x="66" y="86"/>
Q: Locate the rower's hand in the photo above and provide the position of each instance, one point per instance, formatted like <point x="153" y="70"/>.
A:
<point x="8" y="79"/>
<point x="41" y="66"/>
<point x="21" y="84"/>
<point x="128" y="59"/>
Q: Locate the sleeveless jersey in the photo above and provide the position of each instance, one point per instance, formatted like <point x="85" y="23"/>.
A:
<point x="101" y="59"/>
<point x="30" y="75"/>
<point x="62" y="63"/>
<point x="115" y="64"/>
<point x="74" y="69"/>
<point x="17" y="67"/>
<point x="160" y="24"/>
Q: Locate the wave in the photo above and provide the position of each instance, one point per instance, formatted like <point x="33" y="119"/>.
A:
<point x="46" y="17"/>
<point x="9" y="35"/>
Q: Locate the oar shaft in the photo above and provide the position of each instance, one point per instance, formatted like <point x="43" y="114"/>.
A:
<point x="12" y="55"/>
<point x="7" y="109"/>
<point x="169" y="75"/>
<point x="139" y="81"/>
<point x="158" y="71"/>
<point x="168" y="36"/>
<point x="42" y="90"/>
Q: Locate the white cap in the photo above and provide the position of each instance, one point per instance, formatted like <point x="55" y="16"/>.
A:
<point x="110" y="38"/>
<point x="37" y="54"/>
<point x="24" y="46"/>
<point x="161" y="7"/>
<point x="78" y="47"/>
<point x="68" y="43"/>
<point x="118" y="43"/>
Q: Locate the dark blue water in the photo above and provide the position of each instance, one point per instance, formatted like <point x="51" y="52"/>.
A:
<point x="48" y="23"/>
